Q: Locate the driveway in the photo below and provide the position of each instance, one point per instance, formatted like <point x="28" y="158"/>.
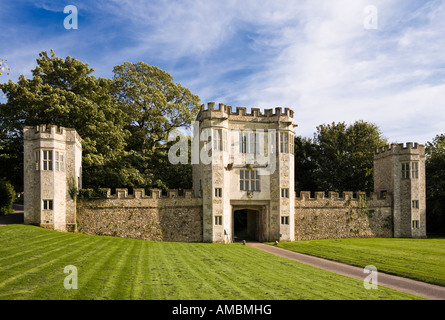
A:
<point x="421" y="289"/>
<point x="15" y="218"/>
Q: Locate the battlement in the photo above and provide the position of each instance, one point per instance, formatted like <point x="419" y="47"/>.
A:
<point x="153" y="194"/>
<point x="44" y="131"/>
<point x="346" y="196"/>
<point x="226" y="112"/>
<point x="393" y="149"/>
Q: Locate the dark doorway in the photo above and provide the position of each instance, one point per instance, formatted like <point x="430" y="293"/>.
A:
<point x="245" y="225"/>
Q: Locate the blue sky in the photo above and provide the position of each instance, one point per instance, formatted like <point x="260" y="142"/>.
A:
<point x="314" y="56"/>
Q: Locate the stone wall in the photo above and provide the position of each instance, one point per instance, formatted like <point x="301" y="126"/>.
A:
<point x="173" y="218"/>
<point x="335" y="217"/>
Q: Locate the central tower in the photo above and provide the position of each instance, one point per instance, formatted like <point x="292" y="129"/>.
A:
<point x="243" y="168"/>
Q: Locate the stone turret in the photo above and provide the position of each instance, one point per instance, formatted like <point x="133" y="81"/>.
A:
<point x="52" y="163"/>
<point x="400" y="170"/>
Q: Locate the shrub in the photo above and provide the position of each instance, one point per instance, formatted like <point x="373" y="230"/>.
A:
<point x="7" y="197"/>
<point x="102" y="193"/>
<point x="86" y="193"/>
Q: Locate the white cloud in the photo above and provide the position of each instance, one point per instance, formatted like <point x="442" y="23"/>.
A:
<point x="313" y="55"/>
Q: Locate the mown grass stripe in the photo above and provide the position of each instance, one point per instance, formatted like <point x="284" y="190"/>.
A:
<point x="93" y="277"/>
<point x="120" y="274"/>
<point x="115" y="268"/>
<point x="58" y="246"/>
<point x="55" y="279"/>
<point x="41" y="267"/>
<point x="37" y="247"/>
<point x="139" y="287"/>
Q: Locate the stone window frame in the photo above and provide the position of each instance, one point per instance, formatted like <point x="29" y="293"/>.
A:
<point x="284" y="142"/>
<point x="218" y="192"/>
<point x="249" y="142"/>
<point x="59" y="161"/>
<point x="415" y="224"/>
<point x="48" y="204"/>
<point x="406" y="170"/>
<point x="217" y="140"/>
<point x="285" y="220"/>
<point x="415" y="170"/>
<point x="253" y="179"/>
<point x="37" y="159"/>
<point x="47" y="160"/>
<point x="218" y="221"/>
<point x="415" y="204"/>
<point x="285" y="193"/>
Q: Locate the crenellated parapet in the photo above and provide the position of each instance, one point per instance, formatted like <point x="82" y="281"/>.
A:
<point x="400" y="149"/>
<point x="51" y="132"/>
<point x="123" y="193"/>
<point x="211" y="111"/>
<point x="334" y="198"/>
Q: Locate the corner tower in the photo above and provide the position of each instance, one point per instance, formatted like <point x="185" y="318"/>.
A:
<point x="52" y="164"/>
<point x="400" y="170"/>
<point x="245" y="173"/>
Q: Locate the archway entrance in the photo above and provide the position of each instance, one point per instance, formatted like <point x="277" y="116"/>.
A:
<point x="246" y="225"/>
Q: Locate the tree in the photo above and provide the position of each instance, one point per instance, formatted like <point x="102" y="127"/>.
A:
<point x="63" y="92"/>
<point x="435" y="184"/>
<point x="342" y="157"/>
<point x="154" y="105"/>
<point x="7" y="197"/>
<point x="306" y="165"/>
<point x="4" y="67"/>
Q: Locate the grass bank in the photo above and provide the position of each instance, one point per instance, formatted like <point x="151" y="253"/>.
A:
<point x="32" y="262"/>
<point x="418" y="259"/>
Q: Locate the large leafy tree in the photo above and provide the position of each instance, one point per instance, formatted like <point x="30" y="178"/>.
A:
<point x="435" y="184"/>
<point x="306" y="165"/>
<point x="339" y="158"/>
<point x="63" y="92"/>
<point x="154" y="105"/>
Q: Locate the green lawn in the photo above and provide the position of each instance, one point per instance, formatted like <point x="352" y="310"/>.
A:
<point x="419" y="259"/>
<point x="32" y="261"/>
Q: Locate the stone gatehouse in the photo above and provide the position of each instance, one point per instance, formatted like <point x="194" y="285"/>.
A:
<point x="243" y="188"/>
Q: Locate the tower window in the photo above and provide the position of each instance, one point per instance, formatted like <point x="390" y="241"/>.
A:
<point x="285" y="193"/>
<point x="416" y="224"/>
<point x="410" y="170"/>
<point x="284" y="142"/>
<point x="415" y="170"/>
<point x="59" y="161"/>
<point x="285" y="220"/>
<point x="37" y="159"/>
<point x="243" y="142"/>
<point x="47" y="160"/>
<point x="292" y="143"/>
<point x="249" y="180"/>
<point x="218" y="193"/>
<point x="47" y="204"/>
<point x="218" y="220"/>
<point x="405" y="170"/>
<point x="415" y="204"/>
<point x="248" y="143"/>
<point x="217" y="140"/>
